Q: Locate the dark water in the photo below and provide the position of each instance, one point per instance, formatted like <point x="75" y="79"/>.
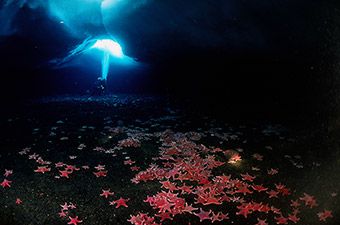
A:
<point x="128" y="135"/>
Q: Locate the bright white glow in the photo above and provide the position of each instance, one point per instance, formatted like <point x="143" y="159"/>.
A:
<point x="109" y="3"/>
<point x="110" y="46"/>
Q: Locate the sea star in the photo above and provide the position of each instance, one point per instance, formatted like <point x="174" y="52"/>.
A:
<point x="203" y="215"/>
<point x="42" y="169"/>
<point x="64" y="207"/>
<point x="62" y="214"/>
<point x="120" y="202"/>
<point x="101" y="173"/>
<point x="18" y="201"/>
<point x="293" y="218"/>
<point x="261" y="222"/>
<point x="324" y="215"/>
<point x="106" y="193"/>
<point x="309" y="200"/>
<point x="74" y="220"/>
<point x="8" y="173"/>
<point x="64" y="173"/>
<point x="6" y="183"/>
<point x="281" y="220"/>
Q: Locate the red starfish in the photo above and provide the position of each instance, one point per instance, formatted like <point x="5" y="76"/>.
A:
<point x="259" y="188"/>
<point x="6" y="183"/>
<point x="129" y="162"/>
<point x="8" y="173"/>
<point x="309" y="200"/>
<point x="71" y="168"/>
<point x="234" y="158"/>
<point x="219" y="216"/>
<point x="120" y="202"/>
<point x="272" y="171"/>
<point x="100" y="167"/>
<point x="203" y="215"/>
<point x="64" y="173"/>
<point x="106" y="193"/>
<point x="42" y="169"/>
<point x="135" y="168"/>
<point x="261" y="222"/>
<point x="185" y="189"/>
<point x="247" y="177"/>
<point x="18" y="201"/>
<point x="244" y="210"/>
<point x="281" y="220"/>
<point x="74" y="220"/>
<point x="168" y="185"/>
<point x="293" y="218"/>
<point x="272" y="194"/>
<point x="324" y="215"/>
<point x="62" y="214"/>
<point x="59" y="164"/>
<point x="189" y="209"/>
<point x="64" y="207"/>
<point x="101" y="173"/>
<point x="265" y="208"/>
<point x="244" y="190"/>
<point x="72" y="206"/>
<point x="258" y="157"/>
<point x="142" y="219"/>
<point x="294" y="204"/>
<point x="164" y="216"/>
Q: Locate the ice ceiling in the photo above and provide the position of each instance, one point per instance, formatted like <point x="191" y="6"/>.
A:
<point x="151" y="30"/>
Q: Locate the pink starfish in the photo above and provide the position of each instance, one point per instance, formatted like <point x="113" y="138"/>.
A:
<point x="293" y="218"/>
<point x="106" y="193"/>
<point x="120" y="202"/>
<point x="64" y="207"/>
<point x="272" y="194"/>
<point x="59" y="164"/>
<point x="85" y="167"/>
<point x="272" y="171"/>
<point x="261" y="222"/>
<point x="101" y="173"/>
<point x="74" y="220"/>
<point x="6" y="183"/>
<point x="247" y="177"/>
<point x="18" y="201"/>
<point x="129" y="162"/>
<point x="62" y="214"/>
<point x="8" y="173"/>
<point x="309" y="200"/>
<point x="259" y="188"/>
<point x="203" y="215"/>
<point x="324" y="215"/>
<point x="295" y="203"/>
<point x="135" y="168"/>
<point x="64" y="173"/>
<point x="42" y="169"/>
<point x="281" y="220"/>
<point x="100" y="167"/>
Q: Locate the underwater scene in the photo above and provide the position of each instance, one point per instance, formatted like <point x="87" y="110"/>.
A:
<point x="150" y="112"/>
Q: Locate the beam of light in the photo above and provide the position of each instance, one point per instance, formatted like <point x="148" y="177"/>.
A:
<point x="105" y="65"/>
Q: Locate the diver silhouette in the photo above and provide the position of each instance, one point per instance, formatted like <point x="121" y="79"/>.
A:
<point x="99" y="87"/>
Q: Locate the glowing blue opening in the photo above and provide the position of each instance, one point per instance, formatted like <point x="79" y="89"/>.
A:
<point x="110" y="52"/>
<point x="109" y="46"/>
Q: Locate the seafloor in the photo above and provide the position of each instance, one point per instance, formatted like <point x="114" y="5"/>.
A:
<point x="140" y="160"/>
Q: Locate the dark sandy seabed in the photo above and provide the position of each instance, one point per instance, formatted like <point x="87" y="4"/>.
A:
<point x="129" y="135"/>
